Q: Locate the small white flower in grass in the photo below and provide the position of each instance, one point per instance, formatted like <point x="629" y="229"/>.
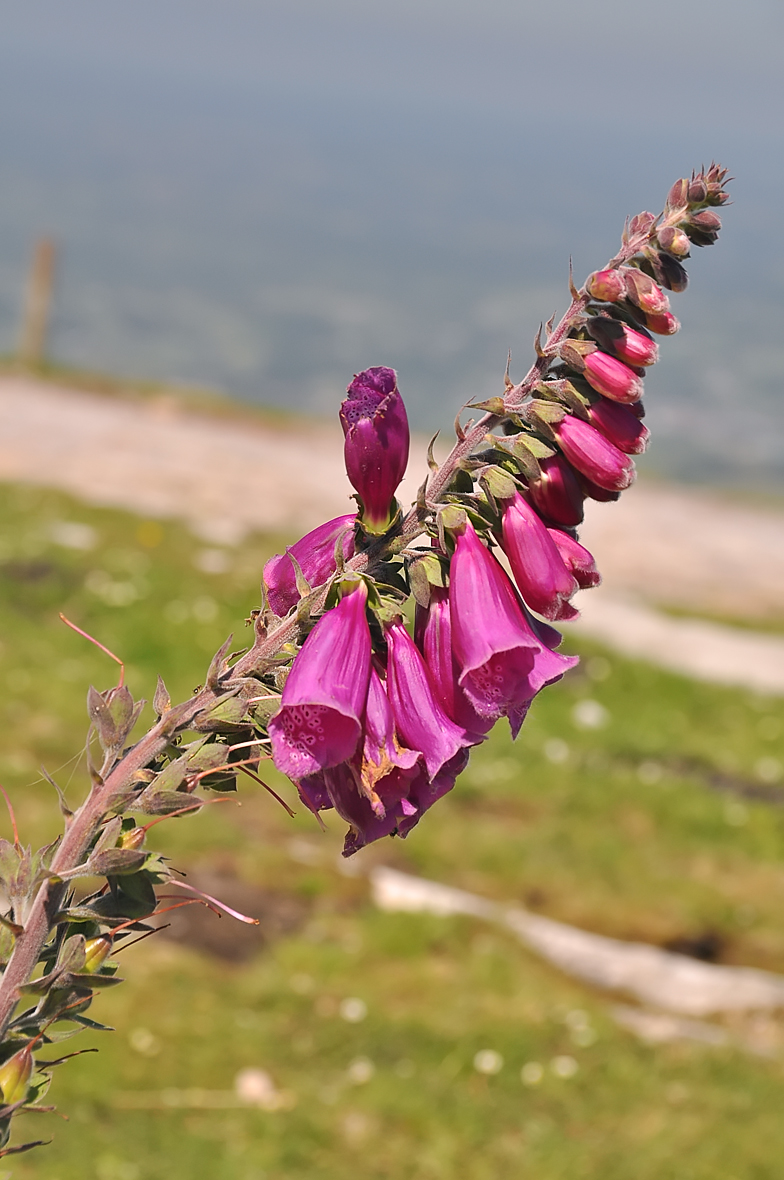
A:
<point x="556" y="750"/>
<point x="768" y="770"/>
<point x="736" y="814"/>
<point x="353" y="1010"/>
<point x="532" y="1073"/>
<point x="211" y="561"/>
<point x="360" y="1071"/>
<point x="143" y="1041"/>
<point x="255" y="1087"/>
<point x="589" y="714"/>
<point x="649" y="773"/>
<point x="71" y="534"/>
<point x="488" y="1061"/>
<point x="564" y="1067"/>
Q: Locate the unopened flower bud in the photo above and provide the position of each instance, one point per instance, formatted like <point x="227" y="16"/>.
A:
<point x="593" y="455"/>
<point x="375" y="424"/>
<point x="697" y="191"/>
<point x="133" y="838"/>
<point x="577" y="559"/>
<point x="541" y="576"/>
<point x="620" y="425"/>
<point x="15" y="1076"/>
<point x="635" y="348"/>
<point x="669" y="272"/>
<point x="642" y="223"/>
<point x="703" y="227"/>
<point x="674" y="241"/>
<point x="644" y="293"/>
<point x="664" y="324"/>
<point x="608" y="286"/>
<point x="96" y="951"/>
<point x="610" y="376"/>
<point x="557" y="494"/>
<point x="678" y="195"/>
<point x="315" y="556"/>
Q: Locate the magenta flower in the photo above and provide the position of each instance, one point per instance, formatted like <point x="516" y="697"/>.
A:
<point x="593" y="455"/>
<point x="503" y="661"/>
<point x="578" y="560"/>
<point x="375" y="424"/>
<point x="644" y="293"/>
<point x="542" y="578"/>
<point x="610" y="376"/>
<point x="433" y="636"/>
<point x="320" y="717"/>
<point x="620" y="425"/>
<point x="623" y="342"/>
<point x="315" y="554"/>
<point x="557" y="494"/>
<point x="420" y="719"/>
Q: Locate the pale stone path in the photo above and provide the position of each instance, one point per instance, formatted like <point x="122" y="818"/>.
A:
<point x="229" y="476"/>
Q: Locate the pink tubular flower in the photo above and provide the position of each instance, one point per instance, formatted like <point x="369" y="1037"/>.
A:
<point x="375" y="424"/>
<point x="620" y="425"/>
<point x="644" y="293"/>
<point x="635" y="348"/>
<point x="419" y="718"/>
<point x="315" y="554"/>
<point x="320" y="717"/>
<point x="542" y="578"/>
<point x="557" y="494"/>
<point x="610" y="376"/>
<point x="577" y="559"/>
<point x="503" y="662"/>
<point x="593" y="455"/>
<point x="433" y="636"/>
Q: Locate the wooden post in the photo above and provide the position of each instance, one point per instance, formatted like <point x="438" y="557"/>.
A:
<point x="38" y="299"/>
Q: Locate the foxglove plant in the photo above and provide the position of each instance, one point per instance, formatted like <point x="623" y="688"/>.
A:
<point x="363" y="717"/>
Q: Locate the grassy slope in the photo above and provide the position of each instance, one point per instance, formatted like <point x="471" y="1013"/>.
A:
<point x="642" y="828"/>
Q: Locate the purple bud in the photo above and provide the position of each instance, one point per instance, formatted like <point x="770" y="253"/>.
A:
<point x="319" y="720"/>
<point x="577" y="558"/>
<point x="557" y="494"/>
<point x="315" y="554"/>
<point x="593" y="455"/>
<point x="542" y="578"/>
<point x="502" y="660"/>
<point x="433" y="635"/>
<point x="674" y="241"/>
<point x="610" y="376"/>
<point x="375" y="424"/>
<point x="620" y="425"/>
<point x="419" y="718"/>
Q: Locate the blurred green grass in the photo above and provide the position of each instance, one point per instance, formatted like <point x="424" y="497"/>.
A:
<point x="635" y="803"/>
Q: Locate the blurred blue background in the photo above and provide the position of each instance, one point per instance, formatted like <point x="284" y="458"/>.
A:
<point x="266" y="196"/>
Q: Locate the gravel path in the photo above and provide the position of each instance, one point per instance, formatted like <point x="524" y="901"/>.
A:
<point x="228" y="477"/>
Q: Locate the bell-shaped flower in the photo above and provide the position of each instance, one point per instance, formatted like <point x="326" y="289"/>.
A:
<point x="420" y="719"/>
<point x="538" y="569"/>
<point x="502" y="657"/>
<point x="620" y="425"/>
<point x="433" y="636"/>
<point x="315" y="555"/>
<point x="593" y="455"/>
<point x="375" y="424"/>
<point x="557" y="493"/>
<point x="319" y="722"/>
<point x="577" y="558"/>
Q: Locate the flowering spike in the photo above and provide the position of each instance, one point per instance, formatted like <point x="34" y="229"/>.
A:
<point x="319" y="721"/>
<point x="315" y="555"/>
<point x="375" y="426"/>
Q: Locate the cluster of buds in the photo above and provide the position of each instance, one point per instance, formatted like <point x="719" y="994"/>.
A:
<point x="377" y="721"/>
